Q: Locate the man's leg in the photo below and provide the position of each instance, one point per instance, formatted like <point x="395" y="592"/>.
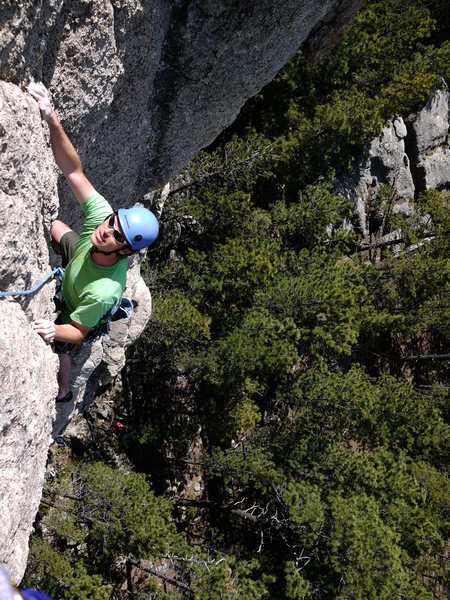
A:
<point x="65" y="371"/>
<point x="57" y="231"/>
<point x="64" y="239"/>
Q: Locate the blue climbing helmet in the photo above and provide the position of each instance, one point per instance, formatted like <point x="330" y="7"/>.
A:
<point x="139" y="225"/>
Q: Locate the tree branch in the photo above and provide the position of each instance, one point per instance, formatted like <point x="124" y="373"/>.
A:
<point x="145" y="566"/>
<point x="427" y="357"/>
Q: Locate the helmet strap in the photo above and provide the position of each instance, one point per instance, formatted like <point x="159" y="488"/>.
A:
<point x="97" y="251"/>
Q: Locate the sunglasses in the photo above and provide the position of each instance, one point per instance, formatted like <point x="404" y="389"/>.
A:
<point x="117" y="235"/>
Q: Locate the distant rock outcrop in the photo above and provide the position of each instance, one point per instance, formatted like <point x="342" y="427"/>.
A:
<point x="140" y="86"/>
<point x="428" y="142"/>
<point x="411" y="155"/>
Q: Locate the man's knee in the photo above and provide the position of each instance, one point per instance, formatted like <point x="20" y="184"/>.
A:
<point x="58" y="229"/>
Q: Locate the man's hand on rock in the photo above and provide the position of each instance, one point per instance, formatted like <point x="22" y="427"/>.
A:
<point x="46" y="329"/>
<point x="41" y="95"/>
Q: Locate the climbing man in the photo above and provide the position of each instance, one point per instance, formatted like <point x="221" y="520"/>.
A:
<point x="96" y="261"/>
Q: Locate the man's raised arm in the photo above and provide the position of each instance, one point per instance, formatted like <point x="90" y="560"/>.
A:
<point x="66" y="157"/>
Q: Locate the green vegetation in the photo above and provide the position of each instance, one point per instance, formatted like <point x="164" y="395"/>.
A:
<point x="292" y="355"/>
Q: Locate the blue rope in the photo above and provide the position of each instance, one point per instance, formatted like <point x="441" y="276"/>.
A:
<point x="55" y="271"/>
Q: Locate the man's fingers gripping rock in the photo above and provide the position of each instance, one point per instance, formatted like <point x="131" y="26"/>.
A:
<point x="46" y="329"/>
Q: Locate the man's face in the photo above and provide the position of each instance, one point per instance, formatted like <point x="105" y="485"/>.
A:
<point x="108" y="236"/>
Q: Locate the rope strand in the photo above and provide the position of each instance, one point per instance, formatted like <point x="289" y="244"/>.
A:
<point x="55" y="271"/>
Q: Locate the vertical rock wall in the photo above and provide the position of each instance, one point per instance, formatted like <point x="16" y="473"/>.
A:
<point x="28" y="367"/>
<point x="141" y="85"/>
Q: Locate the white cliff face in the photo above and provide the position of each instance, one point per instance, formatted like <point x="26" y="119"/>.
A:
<point x="140" y="86"/>
<point x="430" y="141"/>
<point x="411" y="155"/>
<point x="28" y="367"/>
<point x="28" y="386"/>
<point x="28" y="198"/>
<point x="384" y="162"/>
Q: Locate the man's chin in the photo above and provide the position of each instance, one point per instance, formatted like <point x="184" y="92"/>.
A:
<point x="95" y="240"/>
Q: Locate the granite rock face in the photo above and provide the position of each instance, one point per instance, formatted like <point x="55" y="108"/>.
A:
<point x="28" y="380"/>
<point x="28" y="201"/>
<point x="429" y="141"/>
<point x="140" y="86"/>
<point x="411" y="155"/>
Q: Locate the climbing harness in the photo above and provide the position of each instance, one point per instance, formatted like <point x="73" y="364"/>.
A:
<point x="122" y="310"/>
<point x="56" y="271"/>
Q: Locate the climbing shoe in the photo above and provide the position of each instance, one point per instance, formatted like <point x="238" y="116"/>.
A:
<point x="67" y="398"/>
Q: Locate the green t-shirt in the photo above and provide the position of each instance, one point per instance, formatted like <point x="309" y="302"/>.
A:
<point x="90" y="290"/>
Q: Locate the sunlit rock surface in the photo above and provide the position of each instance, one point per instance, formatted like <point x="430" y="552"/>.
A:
<point x="411" y="155"/>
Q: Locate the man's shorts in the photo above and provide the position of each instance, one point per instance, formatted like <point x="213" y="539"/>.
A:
<point x="67" y="245"/>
